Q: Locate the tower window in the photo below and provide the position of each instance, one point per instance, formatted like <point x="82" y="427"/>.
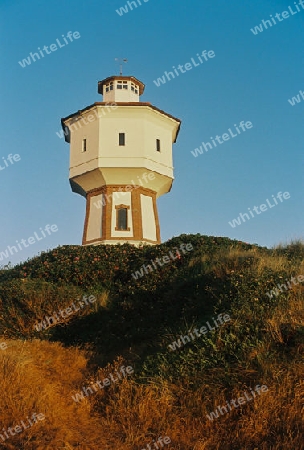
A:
<point x="122" y="140"/>
<point x="122" y="218"/>
<point x="134" y="88"/>
<point x="84" y="145"/>
<point x="122" y="85"/>
<point x="109" y="86"/>
<point x="158" y="145"/>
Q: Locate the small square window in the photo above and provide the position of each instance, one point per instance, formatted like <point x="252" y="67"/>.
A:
<point x="158" y="145"/>
<point x="122" y="139"/>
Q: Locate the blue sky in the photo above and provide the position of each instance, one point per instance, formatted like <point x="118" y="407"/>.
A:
<point x="250" y="78"/>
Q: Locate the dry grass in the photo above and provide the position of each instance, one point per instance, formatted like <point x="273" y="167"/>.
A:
<point x="226" y="261"/>
<point x="36" y="300"/>
<point x="41" y="377"/>
<point x="232" y="259"/>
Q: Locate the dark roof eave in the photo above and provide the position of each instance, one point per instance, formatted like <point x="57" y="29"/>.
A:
<point x="87" y="108"/>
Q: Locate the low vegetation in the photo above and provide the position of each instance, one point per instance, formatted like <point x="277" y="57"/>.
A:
<point x="132" y="323"/>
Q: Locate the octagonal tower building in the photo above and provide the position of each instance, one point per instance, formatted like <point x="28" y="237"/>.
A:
<point x="121" y="162"/>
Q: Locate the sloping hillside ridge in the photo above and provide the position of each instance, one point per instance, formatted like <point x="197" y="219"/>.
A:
<point x="200" y="320"/>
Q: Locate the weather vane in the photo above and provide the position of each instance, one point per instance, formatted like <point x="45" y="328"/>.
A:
<point x="121" y="61"/>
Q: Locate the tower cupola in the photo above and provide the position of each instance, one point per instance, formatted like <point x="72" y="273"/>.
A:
<point x="120" y="89"/>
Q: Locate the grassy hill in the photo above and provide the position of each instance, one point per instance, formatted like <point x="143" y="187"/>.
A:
<point x="244" y="301"/>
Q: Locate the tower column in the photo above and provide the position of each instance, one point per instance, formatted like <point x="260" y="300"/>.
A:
<point x="136" y="214"/>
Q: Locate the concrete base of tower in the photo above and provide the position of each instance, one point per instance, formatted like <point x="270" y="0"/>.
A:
<point x="113" y="242"/>
<point x="117" y="215"/>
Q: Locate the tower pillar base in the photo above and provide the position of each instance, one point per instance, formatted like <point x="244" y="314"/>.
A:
<point x="119" y="214"/>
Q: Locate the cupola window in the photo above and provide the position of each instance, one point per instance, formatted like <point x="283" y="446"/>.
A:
<point x="122" y="85"/>
<point x="109" y="86"/>
<point x="134" y="88"/>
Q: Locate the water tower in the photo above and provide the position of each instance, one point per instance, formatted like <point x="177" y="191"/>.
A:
<point x="121" y="162"/>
